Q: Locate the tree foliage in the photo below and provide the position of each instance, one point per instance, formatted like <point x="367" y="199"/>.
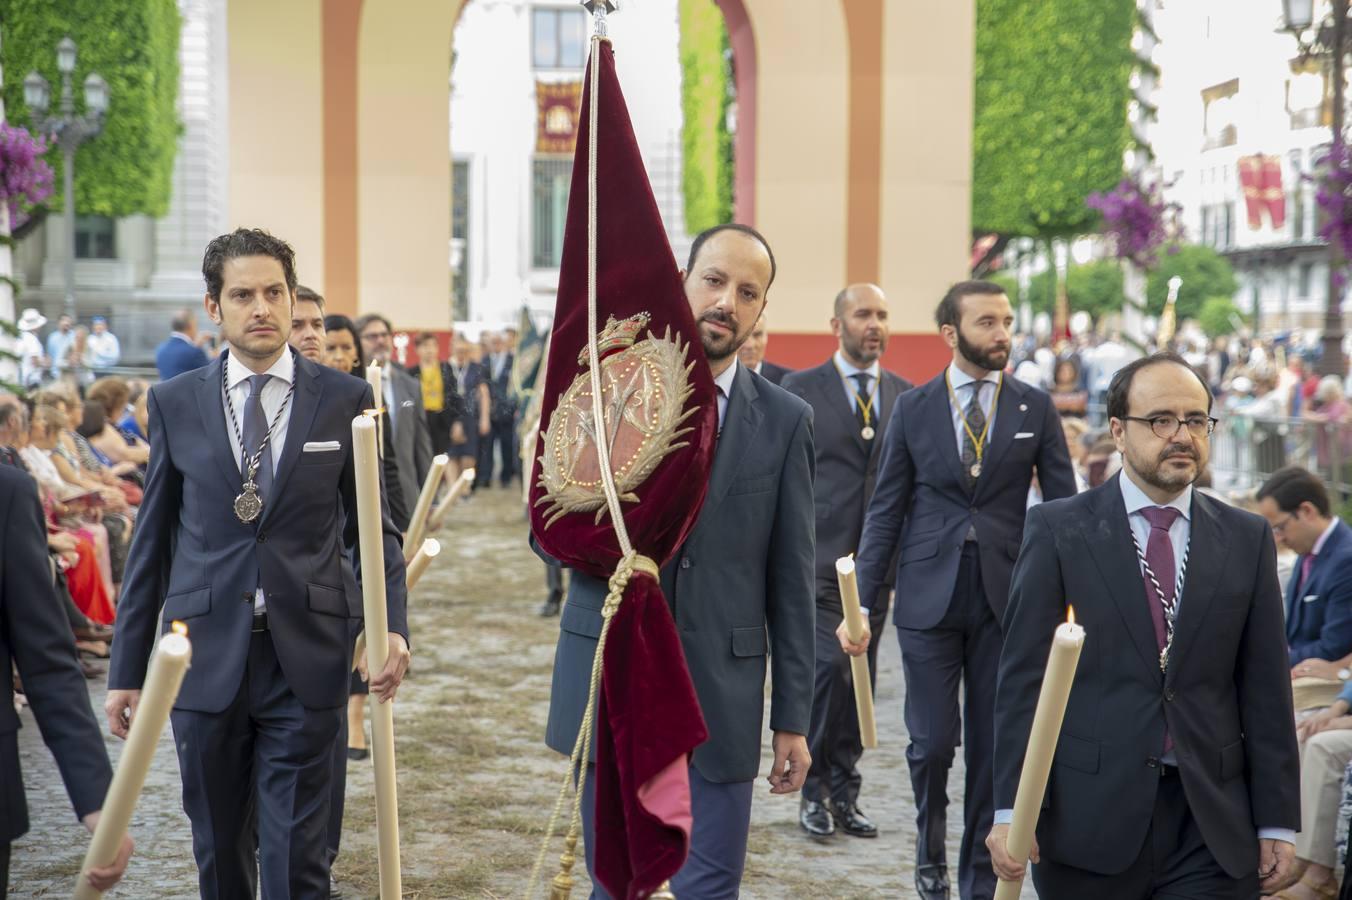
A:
<point x="706" y="93"/>
<point x="1052" y="87"/>
<point x="1218" y="316"/>
<point x="1205" y="273"/>
<point x="1095" y="288"/>
<point x="133" y="45"/>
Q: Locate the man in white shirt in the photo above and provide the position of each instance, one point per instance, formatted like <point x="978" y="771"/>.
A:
<point x="102" y="348"/>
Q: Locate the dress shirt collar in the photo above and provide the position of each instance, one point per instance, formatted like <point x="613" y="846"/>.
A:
<point x="848" y="369"/>
<point x="284" y="369"/>
<point x="1136" y="499"/>
<point x="958" y="378"/>
<point x="1323" y="538"/>
<point x="725" y="380"/>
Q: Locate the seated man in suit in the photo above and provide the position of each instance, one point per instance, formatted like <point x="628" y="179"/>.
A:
<point x="740" y="588"/>
<point x="752" y="353"/>
<point x="35" y="637"/>
<point x="1319" y="595"/>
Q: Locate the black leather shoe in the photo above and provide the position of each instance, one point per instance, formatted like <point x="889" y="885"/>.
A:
<point x="335" y="892"/>
<point x="355" y="753"/>
<point x="931" y="882"/>
<point x="852" y="821"/>
<point x="815" y="819"/>
<point x="550" y="607"/>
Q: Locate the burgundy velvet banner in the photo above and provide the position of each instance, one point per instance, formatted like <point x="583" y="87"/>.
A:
<point x="650" y="719"/>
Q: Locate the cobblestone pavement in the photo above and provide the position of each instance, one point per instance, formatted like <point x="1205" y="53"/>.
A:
<point x="476" y="781"/>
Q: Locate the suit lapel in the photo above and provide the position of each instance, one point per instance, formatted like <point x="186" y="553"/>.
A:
<point x="833" y="391"/>
<point x="211" y="407"/>
<point x="1111" y="549"/>
<point x="1010" y="411"/>
<point x="939" y="415"/>
<point x="1294" y="587"/>
<point x="1207" y="550"/>
<point x="887" y="396"/>
<point x="740" y="424"/>
<point x="304" y="406"/>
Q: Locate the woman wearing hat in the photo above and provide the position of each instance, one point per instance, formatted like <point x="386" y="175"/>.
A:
<point x="33" y="360"/>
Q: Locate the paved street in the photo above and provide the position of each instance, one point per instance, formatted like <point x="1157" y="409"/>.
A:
<point x="476" y="781"/>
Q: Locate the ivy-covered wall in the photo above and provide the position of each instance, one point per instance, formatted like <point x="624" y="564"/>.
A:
<point x="706" y="93"/>
<point x="1052" y="87"/>
<point x="133" y="45"/>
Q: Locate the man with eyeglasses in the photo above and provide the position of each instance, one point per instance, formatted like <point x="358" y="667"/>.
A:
<point x="1176" y="769"/>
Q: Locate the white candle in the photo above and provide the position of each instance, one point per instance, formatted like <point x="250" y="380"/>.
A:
<point x="373" y="377"/>
<point x="439" y="514"/>
<point x="854" y="627"/>
<point x="430" y="548"/>
<point x="418" y="524"/>
<point x="1037" y="760"/>
<point x="163" y="680"/>
<point x="366" y="460"/>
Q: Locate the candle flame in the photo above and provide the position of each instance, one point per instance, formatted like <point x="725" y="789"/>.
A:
<point x="179" y="628"/>
<point x="1070" y="614"/>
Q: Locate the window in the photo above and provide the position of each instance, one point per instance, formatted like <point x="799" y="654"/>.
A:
<point x="95" y="237"/>
<point x="1307" y="101"/>
<point x="1296" y="196"/>
<point x="549" y="205"/>
<point x="558" y="38"/>
<point x="460" y="233"/>
<point x="1305" y="276"/>
<point x="1220" y="114"/>
<point x="1218" y="225"/>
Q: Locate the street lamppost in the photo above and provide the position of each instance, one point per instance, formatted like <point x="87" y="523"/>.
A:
<point x="70" y="131"/>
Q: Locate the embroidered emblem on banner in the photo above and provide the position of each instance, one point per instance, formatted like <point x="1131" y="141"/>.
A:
<point x="644" y="389"/>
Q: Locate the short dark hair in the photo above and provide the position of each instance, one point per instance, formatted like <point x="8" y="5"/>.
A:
<point x="747" y="230"/>
<point x="949" y="310"/>
<point x="93" y="419"/>
<point x="363" y="321"/>
<point x="335" y="322"/>
<point x="1120" y="386"/>
<point x="423" y="337"/>
<point x="1291" y="486"/>
<point x="310" y="294"/>
<point x="182" y="319"/>
<point x="246" y="242"/>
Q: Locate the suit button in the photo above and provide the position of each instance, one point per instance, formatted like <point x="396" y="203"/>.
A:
<point x="972" y="510"/>
<point x="685" y="562"/>
<point x="248" y="598"/>
<point x="262" y="537"/>
<point x="1169" y="694"/>
<point x="1152" y="762"/>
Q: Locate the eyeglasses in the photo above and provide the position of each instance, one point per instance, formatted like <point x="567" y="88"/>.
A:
<point x="1280" y="527"/>
<point x="1166" y="426"/>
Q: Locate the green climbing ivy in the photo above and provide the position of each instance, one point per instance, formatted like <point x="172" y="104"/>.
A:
<point x="706" y="94"/>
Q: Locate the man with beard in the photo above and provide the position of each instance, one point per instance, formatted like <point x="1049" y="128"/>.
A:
<point x="851" y="396"/>
<point x="1176" y="768"/>
<point x="740" y="588"/>
<point x="957" y="460"/>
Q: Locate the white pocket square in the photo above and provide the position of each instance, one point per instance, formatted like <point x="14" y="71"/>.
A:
<point x="1309" y="598"/>
<point x="1023" y="434"/>
<point x="406" y="404"/>
<point x="321" y="447"/>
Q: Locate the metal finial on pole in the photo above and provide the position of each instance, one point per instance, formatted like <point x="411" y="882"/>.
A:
<point x="599" y="10"/>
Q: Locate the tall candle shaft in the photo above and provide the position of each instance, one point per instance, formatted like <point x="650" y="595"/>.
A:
<point x="366" y="461"/>
<point x="418" y="524"/>
<point x="854" y="626"/>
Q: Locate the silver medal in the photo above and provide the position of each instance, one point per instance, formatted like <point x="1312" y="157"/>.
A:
<point x="248" y="504"/>
<point x="975" y="470"/>
<point x="867" y="433"/>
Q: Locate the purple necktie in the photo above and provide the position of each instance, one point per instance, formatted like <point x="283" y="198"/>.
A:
<point x="1305" y="565"/>
<point x="1159" y="556"/>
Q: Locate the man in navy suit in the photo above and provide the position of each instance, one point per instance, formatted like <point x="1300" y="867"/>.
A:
<point x="958" y="457"/>
<point x="180" y="352"/>
<point x="35" y="636"/>
<point x="1319" y="595"/>
<point x="266" y="594"/>
<point x="851" y="396"/>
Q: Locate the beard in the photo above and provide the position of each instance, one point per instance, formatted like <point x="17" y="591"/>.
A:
<point x="854" y="347"/>
<point x="1156" y="473"/>
<point x="992" y="360"/>
<point x="718" y="347"/>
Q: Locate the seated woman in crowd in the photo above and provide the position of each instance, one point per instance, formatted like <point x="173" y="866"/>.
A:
<point x="1067" y="395"/>
<point x="117" y="445"/>
<point x="135" y="421"/>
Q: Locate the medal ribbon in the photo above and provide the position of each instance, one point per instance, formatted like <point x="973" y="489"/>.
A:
<point x="865" y="403"/>
<point x="1170" y="608"/>
<point x="978" y="443"/>
<point x="230" y="408"/>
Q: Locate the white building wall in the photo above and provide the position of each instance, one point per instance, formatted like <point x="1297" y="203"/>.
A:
<point x="493" y="111"/>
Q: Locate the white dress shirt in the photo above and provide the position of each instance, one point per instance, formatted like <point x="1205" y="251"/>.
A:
<point x="959" y="380"/>
<point x="847" y="370"/>
<point x="724" y="384"/>
<point x="274" y="393"/>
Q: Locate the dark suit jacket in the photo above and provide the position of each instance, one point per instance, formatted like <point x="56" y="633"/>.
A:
<point x="746" y="568"/>
<point x="1226" y="699"/>
<point x="1319" y="620"/>
<point x="773" y="373"/>
<point x="847" y="466"/>
<point x="194" y="558"/>
<point x="922" y="497"/>
<point x="412" y="439"/>
<point x="503" y="410"/>
<point x="176" y="356"/>
<point x="34" y="635"/>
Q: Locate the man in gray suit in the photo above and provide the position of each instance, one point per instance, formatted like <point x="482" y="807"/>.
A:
<point x="851" y="396"/>
<point x="403" y="399"/>
<point x="740" y="589"/>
